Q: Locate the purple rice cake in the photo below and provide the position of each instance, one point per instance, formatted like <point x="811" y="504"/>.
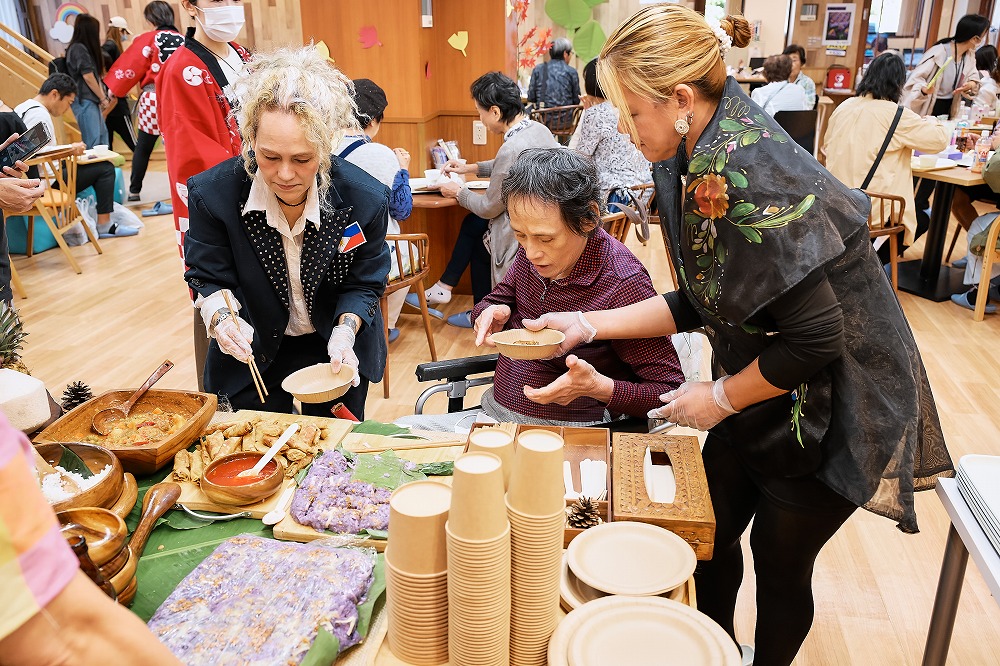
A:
<point x="260" y="601"/>
<point x="328" y="499"/>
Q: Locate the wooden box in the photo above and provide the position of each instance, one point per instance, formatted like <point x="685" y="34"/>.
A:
<point x="579" y="444"/>
<point x="196" y="408"/>
<point x="690" y="516"/>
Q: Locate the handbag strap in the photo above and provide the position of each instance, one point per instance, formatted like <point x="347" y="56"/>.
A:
<point x="351" y="148"/>
<point x="881" y="151"/>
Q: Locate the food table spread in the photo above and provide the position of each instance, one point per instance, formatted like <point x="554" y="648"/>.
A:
<point x="927" y="278"/>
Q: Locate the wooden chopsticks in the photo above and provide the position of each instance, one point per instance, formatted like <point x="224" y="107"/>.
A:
<point x="258" y="380"/>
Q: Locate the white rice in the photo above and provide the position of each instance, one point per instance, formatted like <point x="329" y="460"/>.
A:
<point x="55" y="491"/>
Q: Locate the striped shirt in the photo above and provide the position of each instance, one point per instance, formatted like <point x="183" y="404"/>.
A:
<point x="606" y="276"/>
<point x="36" y="563"/>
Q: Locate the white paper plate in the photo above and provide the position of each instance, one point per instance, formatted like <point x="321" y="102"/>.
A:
<point x="631" y="559"/>
<point x="574" y="593"/>
<point x="639" y="632"/>
<point x="477" y="184"/>
<point x="419" y="186"/>
<point x="942" y="163"/>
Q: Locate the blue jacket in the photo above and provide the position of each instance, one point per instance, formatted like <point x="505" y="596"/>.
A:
<point x="225" y="249"/>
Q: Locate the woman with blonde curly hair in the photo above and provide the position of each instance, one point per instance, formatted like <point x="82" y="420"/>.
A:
<point x="821" y="403"/>
<point x="295" y="236"/>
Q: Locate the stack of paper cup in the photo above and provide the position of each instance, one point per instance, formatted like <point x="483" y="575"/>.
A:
<point x="478" y="536"/>
<point x="536" y="509"/>
<point x="417" y="572"/>
<point x="497" y="442"/>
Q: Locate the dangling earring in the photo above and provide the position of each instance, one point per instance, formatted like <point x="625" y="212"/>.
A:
<point x="253" y="161"/>
<point x="682" y="126"/>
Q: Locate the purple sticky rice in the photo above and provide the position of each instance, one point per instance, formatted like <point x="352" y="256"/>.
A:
<point x="260" y="601"/>
<point x="327" y="499"/>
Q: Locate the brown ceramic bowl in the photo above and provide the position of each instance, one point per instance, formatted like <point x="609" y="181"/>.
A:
<point x="245" y="494"/>
<point x="104" y="531"/>
<point x="106" y="492"/>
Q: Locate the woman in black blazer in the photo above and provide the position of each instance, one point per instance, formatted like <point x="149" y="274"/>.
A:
<point x="295" y="235"/>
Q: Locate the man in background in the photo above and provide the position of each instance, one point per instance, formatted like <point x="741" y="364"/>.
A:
<point x="555" y="83"/>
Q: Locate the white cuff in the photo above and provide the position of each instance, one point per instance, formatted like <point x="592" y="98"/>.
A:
<point x="212" y="303"/>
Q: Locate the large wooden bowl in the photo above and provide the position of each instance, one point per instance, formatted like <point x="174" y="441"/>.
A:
<point x="196" y="408"/>
<point x="104" y="532"/>
<point x="246" y="494"/>
<point x="106" y="492"/>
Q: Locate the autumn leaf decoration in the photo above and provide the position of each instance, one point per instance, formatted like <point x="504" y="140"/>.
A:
<point x="368" y="36"/>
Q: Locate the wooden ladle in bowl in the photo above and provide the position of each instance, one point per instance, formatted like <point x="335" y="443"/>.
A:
<point x="105" y="419"/>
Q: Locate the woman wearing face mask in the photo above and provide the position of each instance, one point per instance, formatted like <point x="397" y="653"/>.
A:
<point x="297" y="236"/>
<point x="960" y="78"/>
<point x="194" y="112"/>
<point x="821" y="403"/>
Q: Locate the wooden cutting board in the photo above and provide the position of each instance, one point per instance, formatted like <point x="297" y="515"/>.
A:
<point x="289" y="530"/>
<point x="193" y="498"/>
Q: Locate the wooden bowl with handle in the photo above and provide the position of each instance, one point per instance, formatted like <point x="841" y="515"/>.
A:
<point x="104" y="532"/>
<point x="240" y="495"/>
<point x="106" y="492"/>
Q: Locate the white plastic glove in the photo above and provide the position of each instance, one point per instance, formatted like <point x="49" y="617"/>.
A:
<point x="574" y="326"/>
<point x="699" y="405"/>
<point x="341" y="350"/>
<point x="235" y="337"/>
<point x="489" y="322"/>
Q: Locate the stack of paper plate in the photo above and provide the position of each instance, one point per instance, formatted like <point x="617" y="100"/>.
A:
<point x="977" y="481"/>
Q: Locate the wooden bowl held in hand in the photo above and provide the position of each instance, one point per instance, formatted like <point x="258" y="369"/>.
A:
<point x="319" y="383"/>
<point x="520" y="343"/>
<point x="221" y="484"/>
<point x="104" y="532"/>
<point x="106" y="492"/>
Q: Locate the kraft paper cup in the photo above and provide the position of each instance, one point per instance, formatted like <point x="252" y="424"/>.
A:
<point x="418" y="512"/>
<point x="497" y="442"/>
<point x="536" y="481"/>
<point x="477" y="509"/>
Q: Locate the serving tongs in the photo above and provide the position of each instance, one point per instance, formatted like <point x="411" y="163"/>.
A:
<point x="214" y="517"/>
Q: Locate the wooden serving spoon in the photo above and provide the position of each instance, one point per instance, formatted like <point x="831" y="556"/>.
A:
<point x="105" y="419"/>
<point x="158" y="500"/>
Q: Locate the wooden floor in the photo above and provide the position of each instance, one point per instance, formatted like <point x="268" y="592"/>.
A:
<point x="129" y="310"/>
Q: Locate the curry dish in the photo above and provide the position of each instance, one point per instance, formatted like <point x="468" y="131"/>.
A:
<point x="139" y="430"/>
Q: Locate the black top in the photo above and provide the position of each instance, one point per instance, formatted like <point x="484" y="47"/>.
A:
<point x="10" y="123"/>
<point x="80" y="62"/>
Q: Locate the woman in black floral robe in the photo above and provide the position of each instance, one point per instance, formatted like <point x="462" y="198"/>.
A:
<point x="821" y="402"/>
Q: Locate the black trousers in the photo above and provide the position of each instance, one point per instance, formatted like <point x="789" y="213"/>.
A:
<point x="120" y="124"/>
<point x="792" y="521"/>
<point x="470" y="252"/>
<point x="294" y="354"/>
<point x="140" y="160"/>
<point x="100" y="176"/>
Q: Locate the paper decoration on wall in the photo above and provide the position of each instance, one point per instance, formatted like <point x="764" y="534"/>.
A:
<point x="427" y="70"/>
<point x="368" y="36"/>
<point x="528" y="52"/>
<point x="459" y="41"/>
<point x="324" y="51"/>
<point x="61" y="30"/>
<point x="509" y="8"/>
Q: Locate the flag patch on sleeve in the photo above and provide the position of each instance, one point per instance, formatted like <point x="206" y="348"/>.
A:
<point x="353" y="238"/>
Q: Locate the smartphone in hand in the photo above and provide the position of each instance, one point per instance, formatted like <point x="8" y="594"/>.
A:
<point x="25" y="146"/>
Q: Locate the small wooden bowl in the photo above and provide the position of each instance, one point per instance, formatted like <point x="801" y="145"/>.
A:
<point x="124" y="577"/>
<point x="319" y="383"/>
<point x="104" y="531"/>
<point x="106" y="492"/>
<point x="128" y="595"/>
<point x="115" y="564"/>
<point x="522" y="344"/>
<point x="241" y="495"/>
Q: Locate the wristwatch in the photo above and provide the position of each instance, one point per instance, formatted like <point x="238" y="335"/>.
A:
<point x="220" y="316"/>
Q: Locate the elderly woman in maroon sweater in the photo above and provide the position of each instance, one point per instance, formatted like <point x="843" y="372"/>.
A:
<point x="568" y="262"/>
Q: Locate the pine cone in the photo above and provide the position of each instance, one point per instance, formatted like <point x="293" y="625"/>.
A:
<point x="583" y="514"/>
<point x="75" y="394"/>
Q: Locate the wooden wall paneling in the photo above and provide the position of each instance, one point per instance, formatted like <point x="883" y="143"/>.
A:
<point x="458" y="127"/>
<point x="809" y="35"/>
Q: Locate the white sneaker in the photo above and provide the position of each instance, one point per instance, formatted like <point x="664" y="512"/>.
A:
<point x="747" y="654"/>
<point x="437" y="295"/>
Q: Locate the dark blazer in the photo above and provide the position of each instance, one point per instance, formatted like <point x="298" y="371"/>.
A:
<point x="225" y="249"/>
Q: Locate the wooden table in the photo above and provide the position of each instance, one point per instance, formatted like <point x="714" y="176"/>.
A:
<point x="965" y="537"/>
<point x="927" y="278"/>
<point x="440" y="218"/>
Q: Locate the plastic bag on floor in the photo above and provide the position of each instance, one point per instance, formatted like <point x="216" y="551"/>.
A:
<point x="87" y="206"/>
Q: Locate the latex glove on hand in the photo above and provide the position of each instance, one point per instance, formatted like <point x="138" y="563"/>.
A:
<point x="574" y="326"/>
<point x="490" y="321"/>
<point x="581" y="381"/>
<point x="699" y="405"/>
<point x="235" y="337"/>
<point x="341" y="350"/>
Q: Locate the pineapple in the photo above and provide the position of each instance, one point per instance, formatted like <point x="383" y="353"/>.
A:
<point x="12" y="336"/>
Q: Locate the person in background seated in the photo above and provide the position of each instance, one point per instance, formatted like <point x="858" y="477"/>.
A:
<point x="620" y="165"/>
<point x="389" y="167"/>
<point x="977" y="232"/>
<point x="52" y="612"/>
<point x="797" y="54"/>
<point x="867" y="117"/>
<point x="54" y="98"/>
<point x="989" y="76"/>
<point x="498" y="100"/>
<point x="779" y="94"/>
<point x="555" y="83"/>
<point x="566" y="261"/>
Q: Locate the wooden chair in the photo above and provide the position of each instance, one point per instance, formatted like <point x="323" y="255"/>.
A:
<point x="617" y="225"/>
<point x="58" y="206"/>
<point x="801" y="127"/>
<point x="410" y="274"/>
<point x="561" y="120"/>
<point x="990" y="254"/>
<point x="886" y="219"/>
<point x="15" y="282"/>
